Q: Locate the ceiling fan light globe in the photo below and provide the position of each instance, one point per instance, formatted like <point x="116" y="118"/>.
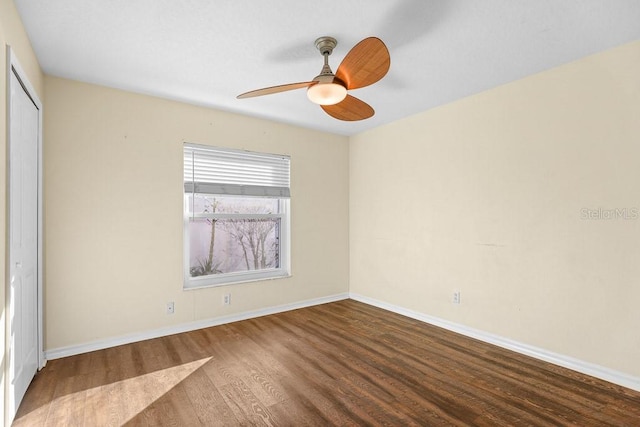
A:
<point x="326" y="93"/>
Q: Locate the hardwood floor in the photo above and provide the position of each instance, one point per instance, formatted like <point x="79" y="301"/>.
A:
<point x="344" y="363"/>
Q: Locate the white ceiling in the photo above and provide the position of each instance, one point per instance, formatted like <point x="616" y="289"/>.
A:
<point x="206" y="52"/>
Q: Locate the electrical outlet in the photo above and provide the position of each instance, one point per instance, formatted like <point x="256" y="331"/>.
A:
<point x="171" y="308"/>
<point x="456" y="297"/>
<point x="226" y="300"/>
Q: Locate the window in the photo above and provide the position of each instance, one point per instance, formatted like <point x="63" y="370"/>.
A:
<point x="236" y="216"/>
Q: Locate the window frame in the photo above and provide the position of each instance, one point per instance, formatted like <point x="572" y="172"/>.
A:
<point x="223" y="279"/>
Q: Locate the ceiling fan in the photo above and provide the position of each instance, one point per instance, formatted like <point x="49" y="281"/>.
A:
<point x="364" y="65"/>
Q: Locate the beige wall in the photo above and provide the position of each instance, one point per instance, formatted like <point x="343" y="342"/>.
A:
<point x="485" y="196"/>
<point x="113" y="173"/>
<point x="12" y="34"/>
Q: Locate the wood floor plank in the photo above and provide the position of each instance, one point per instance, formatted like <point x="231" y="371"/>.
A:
<point x="70" y="393"/>
<point x="344" y="363"/>
<point x="205" y="395"/>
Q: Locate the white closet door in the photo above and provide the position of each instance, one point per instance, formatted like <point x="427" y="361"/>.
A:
<point x="23" y="237"/>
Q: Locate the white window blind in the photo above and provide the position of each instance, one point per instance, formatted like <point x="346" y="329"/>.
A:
<point x="210" y="170"/>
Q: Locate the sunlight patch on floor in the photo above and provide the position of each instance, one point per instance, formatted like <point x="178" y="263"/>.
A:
<point x="116" y="403"/>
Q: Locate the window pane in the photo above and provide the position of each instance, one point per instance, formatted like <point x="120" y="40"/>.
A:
<point x="233" y="245"/>
<point x="206" y="203"/>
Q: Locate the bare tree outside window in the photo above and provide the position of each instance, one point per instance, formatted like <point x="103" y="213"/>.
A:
<point x="225" y="244"/>
<point x="206" y="265"/>
<point x="256" y="240"/>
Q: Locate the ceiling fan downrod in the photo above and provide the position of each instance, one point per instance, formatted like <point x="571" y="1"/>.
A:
<point x="326" y="45"/>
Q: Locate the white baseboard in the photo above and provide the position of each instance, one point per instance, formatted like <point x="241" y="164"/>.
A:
<point x="577" y="365"/>
<point x="58" y="353"/>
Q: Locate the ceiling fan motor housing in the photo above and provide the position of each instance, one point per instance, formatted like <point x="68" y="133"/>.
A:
<point x="326" y="44"/>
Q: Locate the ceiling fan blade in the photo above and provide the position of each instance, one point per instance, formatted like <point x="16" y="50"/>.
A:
<point x="350" y="109"/>
<point x="365" y="64"/>
<point x="274" y="89"/>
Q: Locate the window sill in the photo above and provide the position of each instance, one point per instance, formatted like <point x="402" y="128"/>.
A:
<point x="232" y="279"/>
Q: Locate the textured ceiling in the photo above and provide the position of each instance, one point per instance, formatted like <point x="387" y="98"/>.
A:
<point x="206" y="52"/>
